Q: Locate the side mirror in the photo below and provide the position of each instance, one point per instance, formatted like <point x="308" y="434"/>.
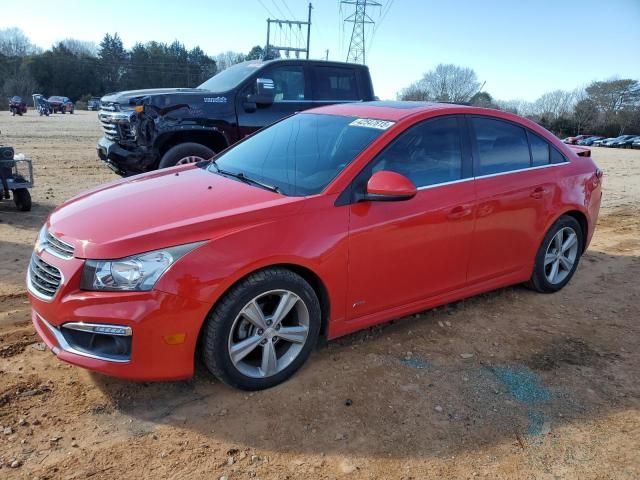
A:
<point x="265" y="92"/>
<point x="387" y="186"/>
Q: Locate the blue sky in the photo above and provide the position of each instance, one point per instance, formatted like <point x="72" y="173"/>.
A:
<point x="522" y="49"/>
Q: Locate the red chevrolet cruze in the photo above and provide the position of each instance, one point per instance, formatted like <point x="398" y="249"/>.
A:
<point x="327" y="222"/>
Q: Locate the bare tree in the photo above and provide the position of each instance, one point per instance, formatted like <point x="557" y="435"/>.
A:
<point x="14" y="43"/>
<point x="227" y="59"/>
<point x="22" y="84"/>
<point x="517" y="106"/>
<point x="554" y="104"/>
<point x="446" y="83"/>
<point x="610" y="96"/>
<point x="80" y="47"/>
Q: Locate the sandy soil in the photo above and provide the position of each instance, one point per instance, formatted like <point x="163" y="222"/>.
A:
<point x="510" y="384"/>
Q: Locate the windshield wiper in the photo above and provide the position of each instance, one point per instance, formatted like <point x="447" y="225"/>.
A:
<point x="243" y="178"/>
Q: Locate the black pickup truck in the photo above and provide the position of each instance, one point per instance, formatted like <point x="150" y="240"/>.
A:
<point x="157" y="128"/>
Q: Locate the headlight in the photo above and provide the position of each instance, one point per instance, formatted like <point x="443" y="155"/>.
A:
<point x="135" y="273"/>
<point x="41" y="241"/>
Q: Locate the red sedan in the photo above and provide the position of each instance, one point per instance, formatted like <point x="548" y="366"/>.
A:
<point x="325" y="223"/>
<point x="61" y="105"/>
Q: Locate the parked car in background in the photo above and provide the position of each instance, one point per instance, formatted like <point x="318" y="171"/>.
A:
<point x="589" y="140"/>
<point x="628" y="143"/>
<point x="93" y="104"/>
<point x="636" y="143"/>
<point x="149" y="129"/>
<point x="17" y="106"/>
<point x="617" y="141"/>
<point x="61" y="104"/>
<point x="327" y="222"/>
<point x="576" y="139"/>
<point x="598" y="143"/>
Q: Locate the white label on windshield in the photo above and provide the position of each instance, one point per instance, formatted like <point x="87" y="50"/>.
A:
<point x="372" y="123"/>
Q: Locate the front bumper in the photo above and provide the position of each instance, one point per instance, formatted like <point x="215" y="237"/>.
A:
<point x="122" y="161"/>
<point x="156" y="320"/>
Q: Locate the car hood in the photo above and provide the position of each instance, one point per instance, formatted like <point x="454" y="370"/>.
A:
<point x="160" y="209"/>
<point x="123" y="98"/>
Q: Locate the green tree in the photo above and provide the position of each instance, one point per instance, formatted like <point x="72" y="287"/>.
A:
<point x="256" y="53"/>
<point x="113" y="58"/>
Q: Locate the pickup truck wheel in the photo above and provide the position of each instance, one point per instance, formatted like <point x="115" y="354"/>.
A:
<point x="185" y="153"/>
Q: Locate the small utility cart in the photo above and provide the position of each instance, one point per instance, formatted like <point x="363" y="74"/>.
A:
<point x="16" y="176"/>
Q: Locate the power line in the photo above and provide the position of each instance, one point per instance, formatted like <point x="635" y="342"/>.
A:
<point x="383" y="15"/>
<point x="265" y="7"/>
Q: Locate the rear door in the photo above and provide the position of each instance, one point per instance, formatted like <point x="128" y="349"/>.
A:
<point x="292" y="94"/>
<point x="515" y="189"/>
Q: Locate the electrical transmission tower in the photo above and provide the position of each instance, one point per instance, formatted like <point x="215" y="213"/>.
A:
<point x="359" y="18"/>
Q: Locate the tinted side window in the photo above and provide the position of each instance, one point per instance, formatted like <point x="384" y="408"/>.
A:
<point x="288" y="82"/>
<point x="502" y="146"/>
<point x="428" y="153"/>
<point x="556" y="156"/>
<point x="335" y="84"/>
<point x="539" y="150"/>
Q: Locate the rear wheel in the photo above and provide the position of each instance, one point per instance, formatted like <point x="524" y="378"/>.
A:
<point x="558" y="256"/>
<point x="22" y="199"/>
<point x="263" y="330"/>
<point x="185" y="153"/>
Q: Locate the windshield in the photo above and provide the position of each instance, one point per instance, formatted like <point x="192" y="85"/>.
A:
<point x="230" y="77"/>
<point x="301" y="154"/>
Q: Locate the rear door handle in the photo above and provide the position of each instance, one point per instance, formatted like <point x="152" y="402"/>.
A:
<point x="458" y="212"/>
<point x="539" y="192"/>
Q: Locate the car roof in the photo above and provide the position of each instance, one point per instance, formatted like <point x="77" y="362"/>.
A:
<point x="392" y="110"/>
<point x="275" y="61"/>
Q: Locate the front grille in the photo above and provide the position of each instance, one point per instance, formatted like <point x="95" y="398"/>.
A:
<point x="116" y="124"/>
<point x="44" y="279"/>
<point x="110" y="106"/>
<point x="58" y="247"/>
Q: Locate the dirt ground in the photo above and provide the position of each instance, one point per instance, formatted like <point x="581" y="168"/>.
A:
<point x="510" y="384"/>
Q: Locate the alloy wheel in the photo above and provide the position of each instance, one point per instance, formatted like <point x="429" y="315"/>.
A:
<point x="189" y="159"/>
<point x="561" y="255"/>
<point x="268" y="334"/>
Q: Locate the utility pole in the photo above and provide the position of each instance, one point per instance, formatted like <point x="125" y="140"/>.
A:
<point x="291" y="24"/>
<point x="359" y="18"/>
<point x="309" y="29"/>
<point x="326" y="57"/>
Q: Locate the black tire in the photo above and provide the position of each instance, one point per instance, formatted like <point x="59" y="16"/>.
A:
<point x="22" y="199"/>
<point x="217" y="328"/>
<point x="539" y="281"/>
<point x="71" y="112"/>
<point x="184" y="150"/>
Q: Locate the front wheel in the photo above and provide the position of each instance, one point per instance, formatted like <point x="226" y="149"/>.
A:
<point x="185" y="153"/>
<point x="558" y="256"/>
<point x="262" y="330"/>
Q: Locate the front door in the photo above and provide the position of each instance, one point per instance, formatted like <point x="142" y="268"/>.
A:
<point x="406" y="251"/>
<point x="292" y="94"/>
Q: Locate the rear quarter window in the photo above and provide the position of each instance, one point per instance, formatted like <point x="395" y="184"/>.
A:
<point x="335" y="83"/>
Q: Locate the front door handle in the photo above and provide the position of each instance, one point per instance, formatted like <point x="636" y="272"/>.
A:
<point x="539" y="192"/>
<point x="459" y="212"/>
